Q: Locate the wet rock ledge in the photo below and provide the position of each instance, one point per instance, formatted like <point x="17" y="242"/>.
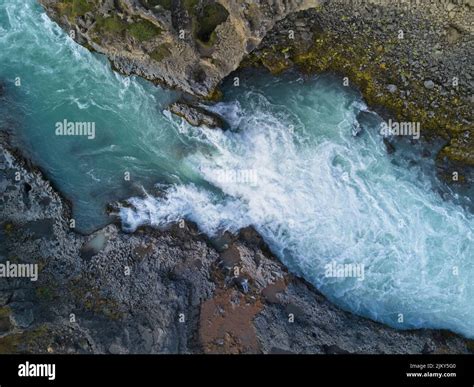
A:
<point x="197" y="115"/>
<point x="168" y="291"/>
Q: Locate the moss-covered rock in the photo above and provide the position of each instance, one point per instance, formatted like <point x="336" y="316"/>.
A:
<point x="113" y="26"/>
<point x="206" y="23"/>
<point x="5" y="323"/>
<point x="191" y="6"/>
<point x="26" y="342"/>
<point x="470" y="345"/>
<point x="75" y="8"/>
<point x="93" y="301"/>
<point x="110" y="25"/>
<point x="8" y="228"/>
<point x="143" y="30"/>
<point x="161" y="52"/>
<point x="46" y="292"/>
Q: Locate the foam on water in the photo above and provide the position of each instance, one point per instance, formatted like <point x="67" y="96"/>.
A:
<point x="323" y="195"/>
<point x="316" y="193"/>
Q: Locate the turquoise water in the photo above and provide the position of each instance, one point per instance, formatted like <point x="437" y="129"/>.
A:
<point x="61" y="80"/>
<point x="290" y="166"/>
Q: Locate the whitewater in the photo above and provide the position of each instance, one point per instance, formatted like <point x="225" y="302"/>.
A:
<point x="303" y="162"/>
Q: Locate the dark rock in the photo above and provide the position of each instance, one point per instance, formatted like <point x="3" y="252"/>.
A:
<point x="280" y="351"/>
<point x="243" y="284"/>
<point x="334" y="350"/>
<point x="392" y="88"/>
<point x="429" y="84"/>
<point x="5" y="324"/>
<point x="453" y="34"/>
<point x="428" y="348"/>
<point x="197" y="116"/>
<point x="22" y="314"/>
<point x="27" y="188"/>
<point x="41" y="228"/>
<point x="389" y="146"/>
<point x="230" y="256"/>
<point x="93" y="247"/>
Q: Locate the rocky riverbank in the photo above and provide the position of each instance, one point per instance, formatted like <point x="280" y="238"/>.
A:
<point x="190" y="45"/>
<point x="410" y="59"/>
<point x="174" y="290"/>
<point x="163" y="291"/>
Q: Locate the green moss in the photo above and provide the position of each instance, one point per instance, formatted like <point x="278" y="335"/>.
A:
<point x="91" y="300"/>
<point x="212" y="15"/>
<point x="75" y="8"/>
<point x="275" y="61"/>
<point x="191" y="6"/>
<point x="458" y="152"/>
<point x="110" y="25"/>
<point x="10" y="343"/>
<point x="27" y="341"/>
<point x="4" y="311"/>
<point x="205" y="20"/>
<point x="8" y="228"/>
<point x="143" y="30"/>
<point x="81" y="7"/>
<point x="161" y="52"/>
<point x="470" y="345"/>
<point x="215" y="96"/>
<point x="46" y="292"/>
<point x="5" y="324"/>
